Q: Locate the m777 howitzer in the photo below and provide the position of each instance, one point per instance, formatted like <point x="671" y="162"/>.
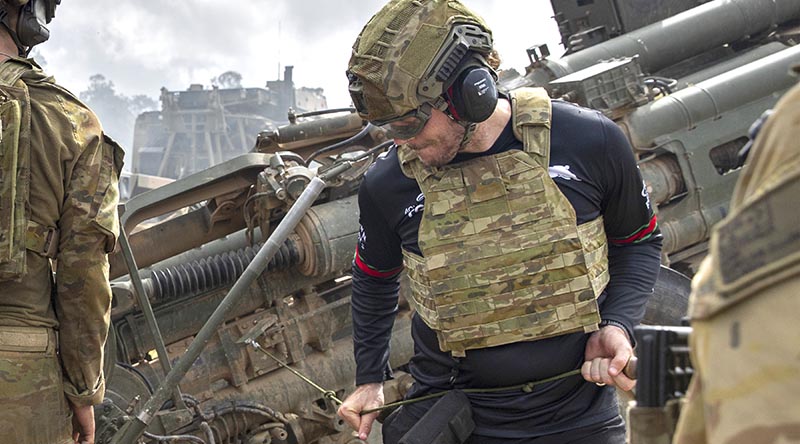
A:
<point x="189" y="244"/>
<point x="684" y="89"/>
<point x="133" y="428"/>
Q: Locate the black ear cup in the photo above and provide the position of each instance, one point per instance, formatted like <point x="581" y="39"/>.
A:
<point x="30" y="25"/>
<point x="473" y="95"/>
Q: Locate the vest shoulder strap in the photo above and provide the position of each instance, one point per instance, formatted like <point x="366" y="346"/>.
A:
<point x="531" y="112"/>
<point x="12" y="70"/>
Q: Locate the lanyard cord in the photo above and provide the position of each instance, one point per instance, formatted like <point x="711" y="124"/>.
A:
<point x="331" y="395"/>
<point x="526" y="387"/>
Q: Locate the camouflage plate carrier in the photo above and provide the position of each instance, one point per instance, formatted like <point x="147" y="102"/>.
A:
<point x="17" y="231"/>
<point x="504" y="260"/>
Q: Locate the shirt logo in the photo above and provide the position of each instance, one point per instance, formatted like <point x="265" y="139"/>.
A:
<point x="562" y="172"/>
<point x="415" y="208"/>
<point x="362" y="238"/>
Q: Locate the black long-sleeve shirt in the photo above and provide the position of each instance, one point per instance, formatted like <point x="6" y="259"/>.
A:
<point x="592" y="163"/>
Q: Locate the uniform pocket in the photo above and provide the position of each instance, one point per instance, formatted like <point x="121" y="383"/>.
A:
<point x="105" y="216"/>
<point x="35" y="409"/>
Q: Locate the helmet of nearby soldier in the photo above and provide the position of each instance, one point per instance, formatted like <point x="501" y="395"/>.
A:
<point x="414" y="55"/>
<point x="33" y="16"/>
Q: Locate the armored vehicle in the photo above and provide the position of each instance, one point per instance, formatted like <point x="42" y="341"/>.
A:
<point x="231" y="288"/>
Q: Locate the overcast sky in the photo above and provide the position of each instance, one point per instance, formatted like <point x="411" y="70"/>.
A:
<point x="142" y="45"/>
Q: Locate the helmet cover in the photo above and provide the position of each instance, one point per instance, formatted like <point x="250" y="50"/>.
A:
<point x="409" y="52"/>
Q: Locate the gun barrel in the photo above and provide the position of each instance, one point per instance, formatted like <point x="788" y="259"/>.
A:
<point x="677" y="38"/>
<point x="713" y="97"/>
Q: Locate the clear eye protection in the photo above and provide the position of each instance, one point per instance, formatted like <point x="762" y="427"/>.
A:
<point x="406" y="127"/>
<point x="411" y="124"/>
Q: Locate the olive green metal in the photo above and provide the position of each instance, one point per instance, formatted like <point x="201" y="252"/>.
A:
<point x="147" y="310"/>
<point x="680" y="37"/>
<point x="134" y="429"/>
<point x="709" y="99"/>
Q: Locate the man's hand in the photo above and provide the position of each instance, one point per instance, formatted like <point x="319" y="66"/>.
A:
<point x="607" y="352"/>
<point x="366" y="396"/>
<point x="82" y="423"/>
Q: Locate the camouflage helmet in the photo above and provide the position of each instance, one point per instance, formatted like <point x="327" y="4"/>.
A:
<point x="409" y="53"/>
<point x="33" y="16"/>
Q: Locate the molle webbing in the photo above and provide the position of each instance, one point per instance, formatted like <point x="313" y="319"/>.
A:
<point x="14" y="168"/>
<point x="504" y="260"/>
<point x="531" y="122"/>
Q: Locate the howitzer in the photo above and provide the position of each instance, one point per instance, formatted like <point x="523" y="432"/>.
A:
<point x="684" y="83"/>
<point x="172" y="310"/>
<point x="663" y="374"/>
<point x="131" y="431"/>
<point x="684" y="89"/>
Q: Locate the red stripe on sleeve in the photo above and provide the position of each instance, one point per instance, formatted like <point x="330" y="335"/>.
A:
<point x="641" y="234"/>
<point x="373" y="272"/>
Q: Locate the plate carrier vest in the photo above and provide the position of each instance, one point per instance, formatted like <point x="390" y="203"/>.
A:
<point x="503" y="259"/>
<point x="17" y="232"/>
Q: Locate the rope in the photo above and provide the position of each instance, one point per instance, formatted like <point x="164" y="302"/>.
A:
<point x="328" y="394"/>
<point x="526" y="387"/>
<point x="331" y="395"/>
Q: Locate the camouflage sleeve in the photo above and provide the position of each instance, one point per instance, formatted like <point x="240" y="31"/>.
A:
<point x="89" y="227"/>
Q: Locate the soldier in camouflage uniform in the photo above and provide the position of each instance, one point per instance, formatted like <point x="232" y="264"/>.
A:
<point x="523" y="225"/>
<point x="745" y="301"/>
<point x="58" y="220"/>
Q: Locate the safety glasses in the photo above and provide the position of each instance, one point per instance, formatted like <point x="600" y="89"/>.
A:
<point x="406" y="126"/>
<point x="409" y="125"/>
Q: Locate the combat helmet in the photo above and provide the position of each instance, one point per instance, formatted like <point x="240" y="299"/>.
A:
<point x="33" y="16"/>
<point x="417" y="55"/>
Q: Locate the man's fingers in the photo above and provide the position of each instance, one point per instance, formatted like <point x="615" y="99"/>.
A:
<point x="596" y="371"/>
<point x="366" y="425"/>
<point x="623" y="382"/>
<point x="618" y="363"/>
<point x="350" y="416"/>
<point x="586" y="371"/>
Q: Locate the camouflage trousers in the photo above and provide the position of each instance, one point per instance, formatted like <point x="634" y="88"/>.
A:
<point x="33" y="408"/>
<point x="746" y="388"/>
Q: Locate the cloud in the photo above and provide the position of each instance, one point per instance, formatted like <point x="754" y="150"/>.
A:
<point x="142" y="45"/>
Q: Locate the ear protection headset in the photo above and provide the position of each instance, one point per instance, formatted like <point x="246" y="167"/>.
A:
<point x="461" y="74"/>
<point x="472" y="97"/>
<point x="31" y="21"/>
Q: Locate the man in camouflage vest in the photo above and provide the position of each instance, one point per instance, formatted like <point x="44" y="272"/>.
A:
<point x="745" y="301"/>
<point x="523" y="225"/>
<point x="58" y="220"/>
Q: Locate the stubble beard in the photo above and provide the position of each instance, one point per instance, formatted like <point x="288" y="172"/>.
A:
<point x="442" y="150"/>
